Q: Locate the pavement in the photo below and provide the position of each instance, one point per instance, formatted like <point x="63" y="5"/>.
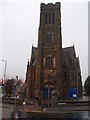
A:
<point x="30" y="108"/>
<point x="63" y="110"/>
<point x="60" y="108"/>
<point x="36" y="108"/>
<point x="33" y="108"/>
<point x="23" y="108"/>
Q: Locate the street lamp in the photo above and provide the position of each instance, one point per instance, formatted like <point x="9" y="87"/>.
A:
<point x="5" y="68"/>
<point x="16" y="107"/>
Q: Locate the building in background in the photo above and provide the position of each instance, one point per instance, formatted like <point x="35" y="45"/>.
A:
<point x="51" y="66"/>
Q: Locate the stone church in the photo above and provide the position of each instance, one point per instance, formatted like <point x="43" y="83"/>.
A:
<point x="52" y="67"/>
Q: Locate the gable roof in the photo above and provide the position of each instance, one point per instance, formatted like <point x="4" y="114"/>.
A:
<point x="67" y="53"/>
<point x="34" y="53"/>
<point x="69" y="57"/>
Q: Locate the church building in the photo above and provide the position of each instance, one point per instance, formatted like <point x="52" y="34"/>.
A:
<point x="52" y="67"/>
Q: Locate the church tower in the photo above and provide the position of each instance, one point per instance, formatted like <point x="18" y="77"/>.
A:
<point x="49" y="52"/>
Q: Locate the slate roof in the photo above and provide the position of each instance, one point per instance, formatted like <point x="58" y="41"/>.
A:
<point x="67" y="53"/>
<point x="33" y="56"/>
<point x="69" y="57"/>
<point x="34" y="52"/>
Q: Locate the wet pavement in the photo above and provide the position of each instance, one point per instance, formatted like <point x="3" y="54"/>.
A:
<point x="63" y="111"/>
<point x="60" y="108"/>
<point x="34" y="111"/>
<point x="64" y="116"/>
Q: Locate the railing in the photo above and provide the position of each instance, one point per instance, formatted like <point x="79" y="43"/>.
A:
<point x="9" y="100"/>
<point x="48" y="102"/>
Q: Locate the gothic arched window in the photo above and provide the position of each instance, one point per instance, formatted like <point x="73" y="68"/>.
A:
<point x="49" y="61"/>
<point x="49" y="18"/>
<point x="53" y="18"/>
<point x="45" y="18"/>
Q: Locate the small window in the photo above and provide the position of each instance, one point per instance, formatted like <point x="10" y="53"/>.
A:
<point x="45" y="18"/>
<point x="53" y="18"/>
<point x="49" y="18"/>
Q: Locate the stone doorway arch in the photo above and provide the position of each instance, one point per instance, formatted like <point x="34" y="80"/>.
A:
<point x="48" y="86"/>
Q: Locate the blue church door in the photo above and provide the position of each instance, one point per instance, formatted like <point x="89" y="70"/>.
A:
<point x="45" y="93"/>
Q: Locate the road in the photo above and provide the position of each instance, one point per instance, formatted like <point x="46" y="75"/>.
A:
<point x="62" y="112"/>
<point x="65" y="116"/>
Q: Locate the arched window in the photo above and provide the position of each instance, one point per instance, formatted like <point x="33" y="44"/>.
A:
<point x="49" y="18"/>
<point x="45" y="18"/>
<point x="49" y="62"/>
<point x="53" y="18"/>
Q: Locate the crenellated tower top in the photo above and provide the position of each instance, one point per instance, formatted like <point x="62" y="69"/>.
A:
<point x="50" y="5"/>
<point x="49" y="14"/>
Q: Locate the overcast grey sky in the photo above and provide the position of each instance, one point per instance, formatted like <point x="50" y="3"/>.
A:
<point x="19" y="25"/>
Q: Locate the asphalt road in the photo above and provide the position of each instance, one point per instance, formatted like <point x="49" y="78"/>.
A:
<point x="62" y="116"/>
<point x="69" y="116"/>
<point x="62" y="112"/>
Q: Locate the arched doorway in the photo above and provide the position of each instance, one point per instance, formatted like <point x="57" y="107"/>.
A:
<point x="48" y="87"/>
<point x="45" y="93"/>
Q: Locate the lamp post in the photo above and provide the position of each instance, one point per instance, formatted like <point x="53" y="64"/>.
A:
<point x="16" y="107"/>
<point x="5" y="68"/>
